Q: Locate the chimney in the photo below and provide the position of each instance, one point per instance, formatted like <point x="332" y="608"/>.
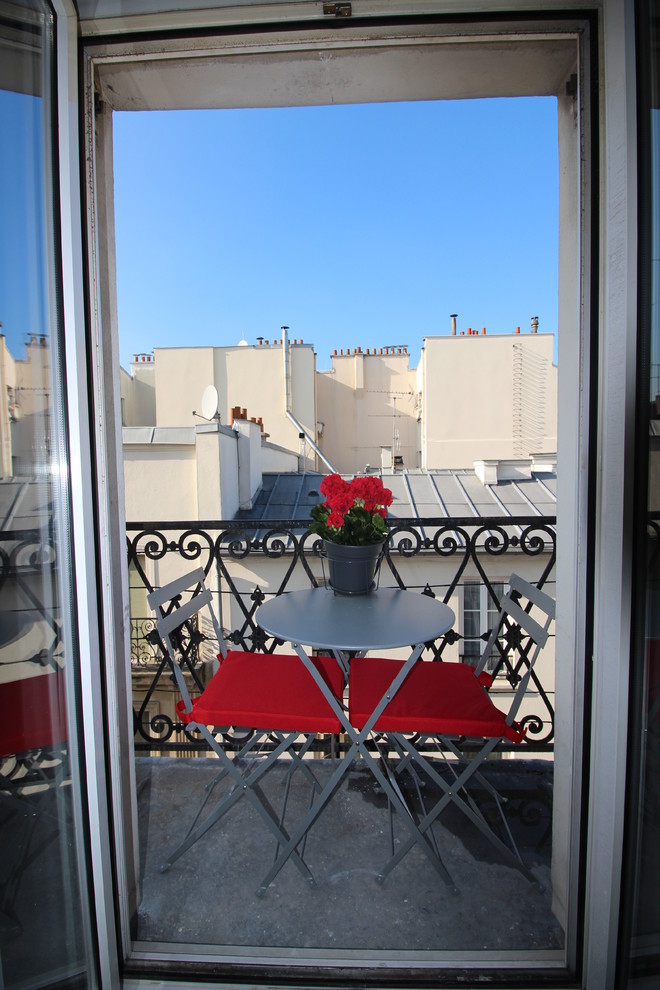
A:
<point x="535" y="324"/>
<point x="453" y="324"/>
<point x="517" y="329"/>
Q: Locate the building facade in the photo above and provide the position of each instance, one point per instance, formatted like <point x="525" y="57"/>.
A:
<point x="371" y="410"/>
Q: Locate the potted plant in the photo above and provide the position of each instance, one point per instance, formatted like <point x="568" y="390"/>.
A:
<point x="351" y="523"/>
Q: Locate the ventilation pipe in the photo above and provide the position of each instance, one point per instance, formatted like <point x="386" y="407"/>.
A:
<point x="535" y="324"/>
<point x="287" y="403"/>
<point x="453" y="324"/>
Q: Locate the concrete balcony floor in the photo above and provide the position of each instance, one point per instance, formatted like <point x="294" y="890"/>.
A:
<point x="208" y="897"/>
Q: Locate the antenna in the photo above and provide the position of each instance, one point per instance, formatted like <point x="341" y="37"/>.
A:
<point x="209" y="405"/>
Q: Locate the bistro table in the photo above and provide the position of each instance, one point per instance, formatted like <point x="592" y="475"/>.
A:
<point x="384" y="619"/>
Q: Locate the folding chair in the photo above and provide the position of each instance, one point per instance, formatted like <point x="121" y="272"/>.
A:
<point x="273" y="695"/>
<point x="33" y="761"/>
<point x="449" y="703"/>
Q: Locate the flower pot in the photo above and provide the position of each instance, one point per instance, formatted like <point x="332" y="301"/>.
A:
<point x="352" y="570"/>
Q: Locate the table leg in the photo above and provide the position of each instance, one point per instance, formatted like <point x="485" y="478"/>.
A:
<point x="358" y="745"/>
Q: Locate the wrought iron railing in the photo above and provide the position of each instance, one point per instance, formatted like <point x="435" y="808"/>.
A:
<point x="452" y="550"/>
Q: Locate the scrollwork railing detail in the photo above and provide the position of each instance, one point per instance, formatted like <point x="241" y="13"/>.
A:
<point x="236" y="556"/>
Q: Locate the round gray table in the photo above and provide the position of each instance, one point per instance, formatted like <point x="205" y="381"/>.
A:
<point x="382" y="620"/>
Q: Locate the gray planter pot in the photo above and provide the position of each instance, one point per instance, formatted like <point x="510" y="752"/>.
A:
<point x="352" y="570"/>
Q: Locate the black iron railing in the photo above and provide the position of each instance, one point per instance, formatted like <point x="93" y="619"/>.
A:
<point x="445" y="552"/>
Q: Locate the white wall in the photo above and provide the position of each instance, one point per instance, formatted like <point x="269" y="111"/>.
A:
<point x="251" y="377"/>
<point x="138" y="397"/>
<point x="160" y="482"/>
<point x="487" y="396"/>
<point x="207" y="473"/>
<point x="274" y="458"/>
<point x="357" y="403"/>
<point x="181" y="375"/>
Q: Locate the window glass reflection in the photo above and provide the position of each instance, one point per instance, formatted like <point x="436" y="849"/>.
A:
<point x="41" y="918"/>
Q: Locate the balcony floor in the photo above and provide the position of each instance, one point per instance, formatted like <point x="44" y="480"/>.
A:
<point x="209" y="896"/>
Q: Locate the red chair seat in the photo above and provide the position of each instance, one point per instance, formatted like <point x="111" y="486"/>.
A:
<point x="268" y="691"/>
<point x="33" y="713"/>
<point x="435" y="699"/>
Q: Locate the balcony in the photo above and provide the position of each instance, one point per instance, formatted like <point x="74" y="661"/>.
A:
<point x="346" y="914"/>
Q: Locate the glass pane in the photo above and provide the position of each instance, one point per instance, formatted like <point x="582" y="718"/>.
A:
<point x="42" y="919"/>
<point x="471" y="619"/>
<point x="493" y="611"/>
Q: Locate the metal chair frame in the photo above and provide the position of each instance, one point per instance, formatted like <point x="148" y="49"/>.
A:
<point x="528" y="639"/>
<point x="247" y="768"/>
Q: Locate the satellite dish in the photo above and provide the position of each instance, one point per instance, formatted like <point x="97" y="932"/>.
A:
<point x="210" y="402"/>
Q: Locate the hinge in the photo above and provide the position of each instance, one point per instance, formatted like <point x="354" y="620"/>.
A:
<point x="337" y="9"/>
<point x="571" y="86"/>
<point x="98" y="104"/>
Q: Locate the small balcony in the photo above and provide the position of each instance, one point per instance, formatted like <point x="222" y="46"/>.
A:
<point x="209" y="898"/>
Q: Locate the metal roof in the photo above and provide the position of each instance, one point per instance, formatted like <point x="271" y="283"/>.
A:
<point x="447" y="493"/>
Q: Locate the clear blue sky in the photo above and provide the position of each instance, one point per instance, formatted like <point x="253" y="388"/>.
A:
<point x="357" y="225"/>
<point x="23" y="308"/>
<point x="361" y="225"/>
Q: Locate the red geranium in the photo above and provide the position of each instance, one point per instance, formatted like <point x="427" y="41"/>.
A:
<point x="353" y="512"/>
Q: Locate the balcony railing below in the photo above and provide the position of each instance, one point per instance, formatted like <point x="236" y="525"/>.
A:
<point x="246" y="563"/>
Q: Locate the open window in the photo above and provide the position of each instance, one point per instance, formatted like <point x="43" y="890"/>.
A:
<point x="373" y="61"/>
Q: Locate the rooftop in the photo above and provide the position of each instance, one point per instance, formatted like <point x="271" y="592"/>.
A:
<point x="423" y="494"/>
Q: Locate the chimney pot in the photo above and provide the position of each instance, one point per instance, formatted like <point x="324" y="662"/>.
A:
<point x="517" y="329"/>
<point x="535" y="324"/>
<point x="453" y="324"/>
<point x="483" y="329"/>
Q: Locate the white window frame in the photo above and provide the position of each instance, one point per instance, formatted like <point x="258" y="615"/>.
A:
<point x="609" y="474"/>
<point x="486" y="617"/>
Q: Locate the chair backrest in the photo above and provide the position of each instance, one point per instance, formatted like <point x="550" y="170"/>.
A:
<point x="173" y="614"/>
<point x="523" y="635"/>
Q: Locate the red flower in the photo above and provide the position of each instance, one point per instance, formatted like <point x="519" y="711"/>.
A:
<point x="340" y="502"/>
<point x="352" y="512"/>
<point x="332" y="484"/>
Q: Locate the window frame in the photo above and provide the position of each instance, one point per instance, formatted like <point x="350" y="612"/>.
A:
<point x="579" y="278"/>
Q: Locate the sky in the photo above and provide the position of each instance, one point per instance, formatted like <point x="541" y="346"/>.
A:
<point x="356" y="226"/>
<point x="23" y="304"/>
